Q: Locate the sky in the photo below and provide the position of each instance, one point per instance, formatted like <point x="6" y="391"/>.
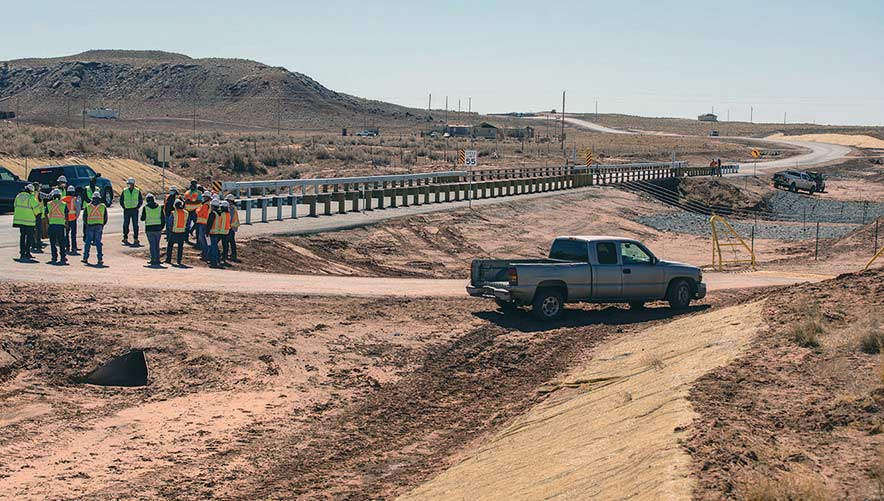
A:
<point x="820" y="62"/>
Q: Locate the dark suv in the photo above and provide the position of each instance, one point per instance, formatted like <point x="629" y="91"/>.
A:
<point x="10" y="187"/>
<point x="76" y="175"/>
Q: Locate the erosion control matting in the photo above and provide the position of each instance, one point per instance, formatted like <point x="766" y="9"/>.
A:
<point x="129" y="369"/>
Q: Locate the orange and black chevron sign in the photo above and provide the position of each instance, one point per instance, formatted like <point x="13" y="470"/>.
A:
<point x="588" y="157"/>
<point x="461" y="157"/>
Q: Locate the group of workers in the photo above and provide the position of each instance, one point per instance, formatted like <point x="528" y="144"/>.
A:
<point x="196" y="213"/>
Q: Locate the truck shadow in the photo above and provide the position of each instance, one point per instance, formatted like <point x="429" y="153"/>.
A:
<point x="523" y="321"/>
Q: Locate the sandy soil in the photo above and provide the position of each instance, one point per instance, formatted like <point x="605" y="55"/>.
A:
<point x="857" y="140"/>
<point x="612" y="429"/>
<point x="264" y="396"/>
<point x="792" y="420"/>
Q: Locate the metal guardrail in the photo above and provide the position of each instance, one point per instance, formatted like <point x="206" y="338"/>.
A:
<point x="334" y="195"/>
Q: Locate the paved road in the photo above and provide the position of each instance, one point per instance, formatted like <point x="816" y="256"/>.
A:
<point x="818" y="153"/>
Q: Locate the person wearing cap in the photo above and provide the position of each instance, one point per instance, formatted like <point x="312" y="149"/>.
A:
<point x="154" y="221"/>
<point x="131" y="201"/>
<point x="73" y="205"/>
<point x="219" y="226"/>
<point x="95" y="219"/>
<point x="202" y="218"/>
<point x="176" y="224"/>
<point x="192" y="198"/>
<point x="25" y="219"/>
<point x="62" y="184"/>
<point x="230" y="250"/>
<point x="57" y="214"/>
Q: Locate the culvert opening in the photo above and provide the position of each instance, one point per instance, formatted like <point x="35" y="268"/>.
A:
<point x="129" y="369"/>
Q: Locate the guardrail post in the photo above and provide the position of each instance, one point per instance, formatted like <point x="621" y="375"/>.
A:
<point x="264" y="209"/>
<point x="249" y="211"/>
<point x="279" y="205"/>
<point x="294" y="200"/>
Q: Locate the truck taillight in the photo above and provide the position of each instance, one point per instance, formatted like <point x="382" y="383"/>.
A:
<point x="513" y="276"/>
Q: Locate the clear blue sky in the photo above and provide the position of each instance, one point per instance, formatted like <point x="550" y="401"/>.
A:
<point x="816" y="61"/>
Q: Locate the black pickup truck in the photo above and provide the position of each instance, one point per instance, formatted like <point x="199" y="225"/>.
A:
<point x="10" y="187"/>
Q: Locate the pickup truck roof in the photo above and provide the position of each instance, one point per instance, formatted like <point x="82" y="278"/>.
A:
<point x="596" y="238"/>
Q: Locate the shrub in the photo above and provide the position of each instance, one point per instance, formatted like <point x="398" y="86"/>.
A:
<point x="789" y="487"/>
<point x="806" y="333"/>
<point x="871" y="336"/>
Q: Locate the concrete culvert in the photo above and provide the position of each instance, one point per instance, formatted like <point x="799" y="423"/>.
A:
<point x="129" y="369"/>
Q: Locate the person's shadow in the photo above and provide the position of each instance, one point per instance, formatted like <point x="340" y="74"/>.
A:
<point x="522" y="320"/>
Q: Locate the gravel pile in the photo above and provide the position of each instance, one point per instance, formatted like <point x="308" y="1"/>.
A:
<point x="819" y="208"/>
<point x="696" y="224"/>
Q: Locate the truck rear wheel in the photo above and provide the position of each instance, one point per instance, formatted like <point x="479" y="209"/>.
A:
<point x="679" y="295"/>
<point x="548" y="305"/>
<point x="793" y="188"/>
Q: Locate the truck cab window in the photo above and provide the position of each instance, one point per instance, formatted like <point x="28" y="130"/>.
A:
<point x="633" y="254"/>
<point x="569" y="250"/>
<point x="607" y="252"/>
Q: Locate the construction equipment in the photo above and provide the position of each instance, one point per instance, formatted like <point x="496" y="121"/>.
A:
<point x="721" y="229"/>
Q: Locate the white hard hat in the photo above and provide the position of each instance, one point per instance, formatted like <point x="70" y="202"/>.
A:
<point x="215" y="202"/>
<point x="173" y="189"/>
<point x="29" y="187"/>
<point x="207" y="194"/>
<point x="96" y="195"/>
<point x="131" y="180"/>
<point x="55" y="192"/>
<point x="62" y="179"/>
<point x="149" y="196"/>
<point x="225" y="203"/>
<point x="230" y="197"/>
<point x="72" y="188"/>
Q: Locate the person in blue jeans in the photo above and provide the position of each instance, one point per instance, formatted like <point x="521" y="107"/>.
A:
<point x="96" y="218"/>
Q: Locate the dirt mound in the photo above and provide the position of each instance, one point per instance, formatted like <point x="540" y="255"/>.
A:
<point x="804" y="407"/>
<point x="718" y="193"/>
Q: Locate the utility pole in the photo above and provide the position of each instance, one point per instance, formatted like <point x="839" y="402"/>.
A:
<point x="728" y="114"/>
<point x="430" y="102"/>
<point x="784" y="118"/>
<point x="751" y="111"/>
<point x="563" y="121"/>
<point x="84" y="114"/>
<point x="446" y="112"/>
<point x="458" y="105"/>
<point x="596" y="108"/>
<point x="469" y="105"/>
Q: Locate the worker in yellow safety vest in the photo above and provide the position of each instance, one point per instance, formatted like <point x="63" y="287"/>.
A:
<point x="25" y="219"/>
<point x="95" y="219"/>
<point x="38" y="227"/>
<point x="154" y="221"/>
<point x="176" y="223"/>
<point x="131" y="201"/>
<point x="57" y="214"/>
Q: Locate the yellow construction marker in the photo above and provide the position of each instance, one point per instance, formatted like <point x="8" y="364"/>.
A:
<point x="879" y="254"/>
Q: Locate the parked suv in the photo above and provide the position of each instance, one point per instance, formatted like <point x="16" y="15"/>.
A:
<point x="76" y="175"/>
<point x="795" y="180"/>
<point x="10" y="187"/>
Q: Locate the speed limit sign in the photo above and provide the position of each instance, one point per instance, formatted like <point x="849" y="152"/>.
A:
<point x="470" y="158"/>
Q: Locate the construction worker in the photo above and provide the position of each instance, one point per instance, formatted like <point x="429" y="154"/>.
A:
<point x="202" y="218"/>
<point x="192" y="198"/>
<point x="154" y="221"/>
<point x="95" y="219"/>
<point x="38" y="228"/>
<point x="169" y="206"/>
<point x="86" y="199"/>
<point x="176" y="223"/>
<point x="25" y="219"/>
<point x="73" y="204"/>
<point x="131" y="201"/>
<point x="234" y="224"/>
<point x="57" y="214"/>
<point x="219" y="226"/>
<point x="62" y="184"/>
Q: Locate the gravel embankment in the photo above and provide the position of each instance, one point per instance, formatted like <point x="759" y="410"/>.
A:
<point x="793" y="206"/>
<point x="696" y="224"/>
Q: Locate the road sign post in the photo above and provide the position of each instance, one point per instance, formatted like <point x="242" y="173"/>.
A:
<point x="469" y="158"/>
<point x="163" y="157"/>
<point x="755" y="155"/>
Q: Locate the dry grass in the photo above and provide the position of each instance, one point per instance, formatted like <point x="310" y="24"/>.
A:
<point x="787" y="487"/>
<point x="806" y="333"/>
<point x="871" y="335"/>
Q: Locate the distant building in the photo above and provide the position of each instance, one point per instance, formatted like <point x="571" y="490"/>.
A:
<point x="459" y="130"/>
<point x="105" y="113"/>
<point x="708" y="117"/>
<point x="485" y="130"/>
<point x="520" y="132"/>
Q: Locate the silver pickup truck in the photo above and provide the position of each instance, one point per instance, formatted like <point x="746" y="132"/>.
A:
<point x="595" y="269"/>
